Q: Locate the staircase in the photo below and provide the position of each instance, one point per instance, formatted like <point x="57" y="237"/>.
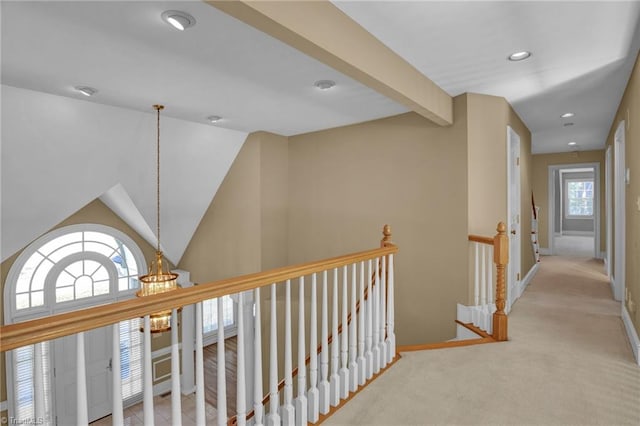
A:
<point x="534" y="230"/>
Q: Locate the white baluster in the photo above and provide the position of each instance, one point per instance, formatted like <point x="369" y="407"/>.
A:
<point x="147" y="397"/>
<point x="38" y="381"/>
<point x="483" y="290"/>
<point x="476" y="276"/>
<point x="301" y="400"/>
<point x="383" y="313"/>
<point x="241" y="398"/>
<point x="222" y="371"/>
<point x="273" y="419"/>
<point x="313" y="395"/>
<point x="258" y="409"/>
<point x="81" y="382"/>
<point x="324" y="388"/>
<point x="335" y="345"/>
<point x="200" y="405"/>
<point x="369" y="332"/>
<point x="288" y="411"/>
<point x="353" y="334"/>
<point x="344" y="337"/>
<point x="362" y="373"/>
<point x="491" y="305"/>
<point x="117" y="414"/>
<point x="475" y="311"/>
<point x="376" y="319"/>
<point x="391" y="335"/>
<point x="176" y="400"/>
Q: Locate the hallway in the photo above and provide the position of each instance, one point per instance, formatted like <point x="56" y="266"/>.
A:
<point x="568" y="361"/>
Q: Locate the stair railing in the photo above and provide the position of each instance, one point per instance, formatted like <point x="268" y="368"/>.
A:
<point x="349" y="356"/>
<point x="487" y="315"/>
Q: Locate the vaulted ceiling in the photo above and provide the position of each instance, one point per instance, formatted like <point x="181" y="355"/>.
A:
<point x="582" y="54"/>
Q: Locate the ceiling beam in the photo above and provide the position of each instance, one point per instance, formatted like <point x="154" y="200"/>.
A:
<point x="322" y="31"/>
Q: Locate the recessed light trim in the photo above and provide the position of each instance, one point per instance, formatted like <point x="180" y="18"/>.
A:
<point x="519" y="56"/>
<point x="324" y="84"/>
<point x="178" y="19"/>
<point x="86" y="90"/>
<point x="214" y="118"/>
<point x="567" y="115"/>
<point x="573" y="143"/>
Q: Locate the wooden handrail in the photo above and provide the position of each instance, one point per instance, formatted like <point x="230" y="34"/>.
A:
<point x="481" y="240"/>
<point x="52" y="327"/>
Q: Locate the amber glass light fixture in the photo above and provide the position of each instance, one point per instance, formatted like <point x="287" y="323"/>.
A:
<point x="158" y="279"/>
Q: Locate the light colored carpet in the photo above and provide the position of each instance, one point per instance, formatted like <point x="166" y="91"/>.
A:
<point x="574" y="245"/>
<point x="568" y="362"/>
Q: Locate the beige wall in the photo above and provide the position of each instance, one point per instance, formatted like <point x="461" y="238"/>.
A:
<point x="629" y="110"/>
<point x="489" y="117"/>
<point x="227" y="240"/>
<point x="540" y="171"/>
<point x="346" y="183"/>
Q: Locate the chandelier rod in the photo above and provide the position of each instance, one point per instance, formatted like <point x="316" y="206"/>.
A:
<point x="158" y="108"/>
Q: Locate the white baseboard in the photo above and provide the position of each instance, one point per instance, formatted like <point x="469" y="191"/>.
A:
<point x="602" y="255"/>
<point x="544" y="251"/>
<point x="463" y="313"/>
<point x="631" y="333"/>
<point x="527" y="278"/>
<point x="4" y="406"/>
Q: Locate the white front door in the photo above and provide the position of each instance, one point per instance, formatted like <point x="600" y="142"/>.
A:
<point x="513" y="218"/>
<point x="98" y="349"/>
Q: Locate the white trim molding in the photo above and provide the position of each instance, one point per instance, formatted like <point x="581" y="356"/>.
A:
<point x="527" y="278"/>
<point x="631" y="333"/>
<point x="544" y="251"/>
<point x="579" y="233"/>
<point x="4" y="405"/>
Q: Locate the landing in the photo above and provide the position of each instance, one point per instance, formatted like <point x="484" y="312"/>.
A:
<point x="568" y="361"/>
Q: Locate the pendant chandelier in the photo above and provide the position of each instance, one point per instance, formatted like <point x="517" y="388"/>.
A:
<point x="158" y="280"/>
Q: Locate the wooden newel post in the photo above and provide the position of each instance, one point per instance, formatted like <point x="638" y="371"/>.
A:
<point x="386" y="239"/>
<point x="500" y="258"/>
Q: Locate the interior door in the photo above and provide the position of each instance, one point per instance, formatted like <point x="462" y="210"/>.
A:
<point x="98" y="346"/>
<point x="513" y="219"/>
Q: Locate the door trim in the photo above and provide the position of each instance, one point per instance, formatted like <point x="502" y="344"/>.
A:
<point x="620" y="201"/>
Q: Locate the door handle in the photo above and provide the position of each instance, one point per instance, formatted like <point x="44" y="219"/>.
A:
<point x="110" y="366"/>
<point x="513" y="231"/>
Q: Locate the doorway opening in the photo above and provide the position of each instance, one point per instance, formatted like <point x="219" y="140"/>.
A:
<point x="574" y="210"/>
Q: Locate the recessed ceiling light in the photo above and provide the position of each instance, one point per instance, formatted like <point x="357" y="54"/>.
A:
<point x="567" y="115"/>
<point x="178" y="19"/>
<point x="214" y="118"/>
<point x="573" y="143"/>
<point x="568" y="124"/>
<point x="324" y="84"/>
<point x="86" y="90"/>
<point x="519" y="56"/>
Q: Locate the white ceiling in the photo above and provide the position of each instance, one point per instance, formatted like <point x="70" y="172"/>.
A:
<point x="582" y="53"/>
<point x="582" y="56"/>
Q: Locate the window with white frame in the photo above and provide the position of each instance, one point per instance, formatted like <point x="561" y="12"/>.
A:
<point x="579" y="198"/>
<point x="210" y="318"/>
<point x="71" y="268"/>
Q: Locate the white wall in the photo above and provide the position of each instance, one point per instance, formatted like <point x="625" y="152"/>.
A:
<point x="59" y="153"/>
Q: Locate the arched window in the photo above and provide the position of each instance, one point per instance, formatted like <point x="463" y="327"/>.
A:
<point x="67" y="269"/>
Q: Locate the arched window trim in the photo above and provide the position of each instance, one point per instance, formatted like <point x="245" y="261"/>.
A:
<point x="13" y="315"/>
